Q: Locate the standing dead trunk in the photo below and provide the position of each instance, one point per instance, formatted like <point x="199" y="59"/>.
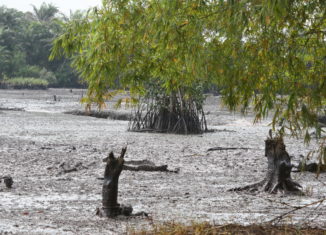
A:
<point x="110" y="205"/>
<point x="278" y="177"/>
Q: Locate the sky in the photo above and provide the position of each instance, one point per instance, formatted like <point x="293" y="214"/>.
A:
<point x="64" y="5"/>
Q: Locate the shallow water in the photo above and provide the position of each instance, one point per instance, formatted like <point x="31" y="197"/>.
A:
<point x="35" y="142"/>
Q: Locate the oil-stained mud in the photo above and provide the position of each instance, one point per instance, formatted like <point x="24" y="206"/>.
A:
<point x="36" y="143"/>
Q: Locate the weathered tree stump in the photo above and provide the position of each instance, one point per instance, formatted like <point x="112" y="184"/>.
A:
<point x="8" y="181"/>
<point x="278" y="177"/>
<point x="110" y="205"/>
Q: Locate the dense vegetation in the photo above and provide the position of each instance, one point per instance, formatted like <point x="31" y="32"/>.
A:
<point x="25" y="44"/>
<point x="266" y="54"/>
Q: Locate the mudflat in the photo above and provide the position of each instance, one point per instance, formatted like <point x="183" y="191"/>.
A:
<point x="38" y="143"/>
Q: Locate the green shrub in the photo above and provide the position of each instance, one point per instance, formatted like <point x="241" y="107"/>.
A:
<point x="28" y="71"/>
<point x="25" y="83"/>
<point x="48" y="76"/>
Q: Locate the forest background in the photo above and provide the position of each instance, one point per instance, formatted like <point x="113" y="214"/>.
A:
<point x="25" y="44"/>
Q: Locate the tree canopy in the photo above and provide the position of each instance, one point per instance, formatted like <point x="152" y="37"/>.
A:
<point x="265" y="54"/>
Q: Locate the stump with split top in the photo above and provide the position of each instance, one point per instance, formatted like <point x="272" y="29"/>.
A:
<point x="278" y="177"/>
<point x="110" y="205"/>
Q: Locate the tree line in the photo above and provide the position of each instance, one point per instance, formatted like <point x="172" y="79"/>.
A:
<point x="25" y="44"/>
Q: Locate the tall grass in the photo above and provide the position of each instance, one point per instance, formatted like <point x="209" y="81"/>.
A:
<point x="25" y="83"/>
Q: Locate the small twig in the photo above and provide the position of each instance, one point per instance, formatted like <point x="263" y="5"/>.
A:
<point x="308" y="215"/>
<point x="281" y="203"/>
<point x="295" y="209"/>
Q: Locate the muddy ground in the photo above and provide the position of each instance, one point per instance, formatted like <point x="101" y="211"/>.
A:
<point x="36" y="141"/>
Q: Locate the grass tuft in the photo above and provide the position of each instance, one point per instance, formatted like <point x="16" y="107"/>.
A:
<point x="230" y="229"/>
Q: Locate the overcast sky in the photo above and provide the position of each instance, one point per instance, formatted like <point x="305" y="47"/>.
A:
<point x="63" y="5"/>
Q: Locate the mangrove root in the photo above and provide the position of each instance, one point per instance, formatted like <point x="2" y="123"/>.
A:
<point x="278" y="177"/>
<point x="169" y="113"/>
<point x="110" y="205"/>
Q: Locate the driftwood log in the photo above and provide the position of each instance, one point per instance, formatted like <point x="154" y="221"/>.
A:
<point x="110" y="205"/>
<point x="278" y="177"/>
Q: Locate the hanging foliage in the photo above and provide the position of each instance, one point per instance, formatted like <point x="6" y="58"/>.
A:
<point x="268" y="55"/>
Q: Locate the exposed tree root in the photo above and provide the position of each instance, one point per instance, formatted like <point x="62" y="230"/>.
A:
<point x="169" y="114"/>
<point x="278" y="177"/>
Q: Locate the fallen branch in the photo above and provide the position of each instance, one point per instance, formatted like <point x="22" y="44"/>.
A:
<point x="67" y="168"/>
<point x="11" y="109"/>
<point x="162" y="168"/>
<point x="218" y="130"/>
<point x="226" y="148"/>
<point x="144" y="165"/>
<point x="311" y="167"/>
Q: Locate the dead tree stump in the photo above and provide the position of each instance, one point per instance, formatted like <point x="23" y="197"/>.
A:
<point x="278" y="177"/>
<point x="110" y="205"/>
<point x="7" y="180"/>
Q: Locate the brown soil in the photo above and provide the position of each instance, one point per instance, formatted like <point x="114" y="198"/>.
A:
<point x="37" y="144"/>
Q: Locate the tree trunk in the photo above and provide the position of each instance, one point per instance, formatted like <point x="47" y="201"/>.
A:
<point x="278" y="177"/>
<point x="110" y="205"/>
